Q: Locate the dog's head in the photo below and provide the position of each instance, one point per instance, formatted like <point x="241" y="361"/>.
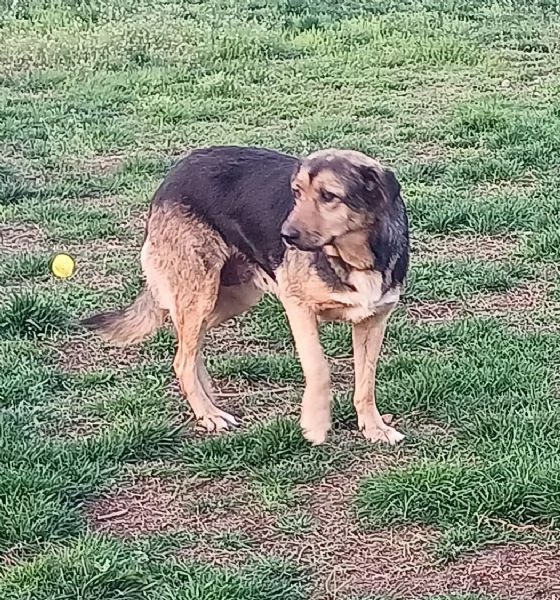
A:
<point x="337" y="192"/>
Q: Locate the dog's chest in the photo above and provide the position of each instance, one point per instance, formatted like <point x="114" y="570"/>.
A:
<point x="352" y="296"/>
<point x="365" y="298"/>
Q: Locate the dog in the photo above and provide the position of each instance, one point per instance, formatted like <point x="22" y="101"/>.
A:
<point x="327" y="234"/>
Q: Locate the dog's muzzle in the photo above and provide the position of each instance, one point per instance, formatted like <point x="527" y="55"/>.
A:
<point x="290" y="236"/>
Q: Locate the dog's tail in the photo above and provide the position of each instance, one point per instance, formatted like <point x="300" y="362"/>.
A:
<point x="131" y="324"/>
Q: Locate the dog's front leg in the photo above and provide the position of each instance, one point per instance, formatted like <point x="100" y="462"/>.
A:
<point x="367" y="339"/>
<point x="317" y="399"/>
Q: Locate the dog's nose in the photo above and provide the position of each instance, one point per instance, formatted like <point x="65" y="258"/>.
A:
<point x="290" y="235"/>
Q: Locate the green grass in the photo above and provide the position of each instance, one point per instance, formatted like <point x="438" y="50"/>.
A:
<point x="97" y="99"/>
<point x="22" y="267"/>
<point x="92" y="567"/>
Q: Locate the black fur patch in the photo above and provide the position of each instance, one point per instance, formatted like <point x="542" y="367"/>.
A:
<point x="327" y="271"/>
<point x="389" y="243"/>
<point x="244" y="193"/>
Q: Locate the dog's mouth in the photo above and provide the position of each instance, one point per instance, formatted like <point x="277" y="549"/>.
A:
<point x="295" y="240"/>
<point x="305" y="246"/>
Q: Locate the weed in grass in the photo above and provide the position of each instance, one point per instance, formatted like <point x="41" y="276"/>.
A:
<point x="274" y="482"/>
<point x="30" y="315"/>
<point x="233" y="541"/>
<point x="256" y="368"/>
<point x="267" y="321"/>
<point x="261" y="446"/>
<point x="440" y="280"/>
<point x="93" y="568"/>
<point x="22" y="267"/>
<point x="497" y="394"/>
<point x="27" y="376"/>
<point x="13" y="188"/>
<point x="447" y="211"/>
<point x="542" y="247"/>
<point x="295" y="523"/>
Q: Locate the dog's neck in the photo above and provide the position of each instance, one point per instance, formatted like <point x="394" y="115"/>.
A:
<point x="353" y="250"/>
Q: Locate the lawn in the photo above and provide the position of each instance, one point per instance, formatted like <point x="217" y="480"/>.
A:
<point x="107" y="490"/>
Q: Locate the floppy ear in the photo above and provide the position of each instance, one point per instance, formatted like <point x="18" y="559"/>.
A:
<point x="295" y="171"/>
<point x="380" y="183"/>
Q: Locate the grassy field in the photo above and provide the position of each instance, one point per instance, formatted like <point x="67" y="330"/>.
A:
<point x="106" y="489"/>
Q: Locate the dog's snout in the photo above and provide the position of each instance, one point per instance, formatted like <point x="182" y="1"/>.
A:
<point x="290" y="234"/>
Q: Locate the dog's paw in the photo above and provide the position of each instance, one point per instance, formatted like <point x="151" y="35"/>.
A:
<point x="315" y="426"/>
<point x="315" y="436"/>
<point x="386" y="434"/>
<point x="217" y="420"/>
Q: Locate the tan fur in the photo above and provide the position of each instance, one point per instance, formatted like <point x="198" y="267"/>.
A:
<point x="353" y="156"/>
<point x="352" y="248"/>
<point x="182" y="259"/>
<point x="367" y="338"/>
<point x="315" y="417"/>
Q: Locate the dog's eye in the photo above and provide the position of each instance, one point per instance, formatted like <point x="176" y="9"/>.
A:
<point x="327" y="196"/>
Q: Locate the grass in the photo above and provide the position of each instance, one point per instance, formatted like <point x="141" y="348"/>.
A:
<point x="97" y="99"/>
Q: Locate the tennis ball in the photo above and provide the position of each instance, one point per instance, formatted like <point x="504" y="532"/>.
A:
<point x="63" y="266"/>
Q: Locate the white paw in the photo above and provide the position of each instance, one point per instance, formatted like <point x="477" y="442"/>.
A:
<point x="388" y="435"/>
<point x="316" y="426"/>
<point x="316" y="436"/>
<point x="217" y="420"/>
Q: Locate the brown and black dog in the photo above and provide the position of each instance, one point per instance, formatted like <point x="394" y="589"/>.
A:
<point x="327" y="234"/>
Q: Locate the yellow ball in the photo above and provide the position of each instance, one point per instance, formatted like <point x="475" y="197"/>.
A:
<point x="63" y="266"/>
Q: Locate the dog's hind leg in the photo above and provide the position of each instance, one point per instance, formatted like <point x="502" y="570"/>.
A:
<point x="367" y="339"/>
<point x="191" y="313"/>
<point x="182" y="259"/>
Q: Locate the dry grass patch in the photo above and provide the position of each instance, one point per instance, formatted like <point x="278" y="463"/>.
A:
<point x="512" y="572"/>
<point x="530" y="183"/>
<point x="98" y="263"/>
<point x="428" y="151"/>
<point x="144" y="506"/>
<point x="435" y="312"/>
<point x="84" y="354"/>
<point x="523" y="299"/>
<point x="334" y="547"/>
<point x="75" y="426"/>
<point x="229" y="528"/>
<point x="104" y="164"/>
<point x="475" y="247"/>
<point x="16" y="239"/>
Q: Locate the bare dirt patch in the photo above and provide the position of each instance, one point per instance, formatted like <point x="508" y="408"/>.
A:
<point x="428" y="151"/>
<point x="531" y="182"/>
<point x="229" y="528"/>
<point x="81" y="354"/>
<point x="103" y="164"/>
<point x="453" y="247"/>
<point x="146" y="505"/>
<point x="16" y="239"/>
<point x="523" y="299"/>
<point x="104" y="264"/>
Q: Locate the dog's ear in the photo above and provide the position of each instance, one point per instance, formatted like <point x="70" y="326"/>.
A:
<point x="295" y="171"/>
<point x="380" y="183"/>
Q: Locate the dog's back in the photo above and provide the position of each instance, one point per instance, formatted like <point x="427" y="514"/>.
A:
<point x="242" y="193"/>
